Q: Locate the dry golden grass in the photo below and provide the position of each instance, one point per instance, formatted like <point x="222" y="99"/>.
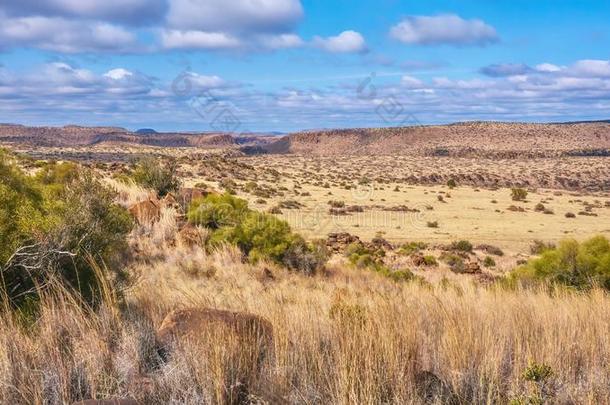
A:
<point x="349" y="336"/>
<point x="345" y="336"/>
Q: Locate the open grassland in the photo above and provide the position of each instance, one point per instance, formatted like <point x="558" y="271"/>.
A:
<point x="392" y="322"/>
<point x="346" y="336"/>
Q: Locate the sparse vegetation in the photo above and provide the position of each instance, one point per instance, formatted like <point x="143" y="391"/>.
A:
<point x="518" y="194"/>
<point x="152" y="173"/>
<point x="579" y="265"/>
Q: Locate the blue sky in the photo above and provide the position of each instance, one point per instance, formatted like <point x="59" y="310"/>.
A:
<point x="285" y="65"/>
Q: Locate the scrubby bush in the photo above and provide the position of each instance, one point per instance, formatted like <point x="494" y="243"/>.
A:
<point x="489" y="261"/>
<point x="518" y="194"/>
<point x="537" y="247"/>
<point x="451" y="183"/>
<point x="258" y="235"/>
<point x="411" y="247"/>
<point x="152" y="173"/>
<point x="579" y="265"/>
<point x="217" y="210"/>
<point x="57" y="226"/>
<point x="462" y="246"/>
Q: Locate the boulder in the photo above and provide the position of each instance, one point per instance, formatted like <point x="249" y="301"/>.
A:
<point x="472" y="268"/>
<point x="197" y="325"/>
<point x="187" y="194"/>
<point x="147" y="211"/>
<point x="170" y="201"/>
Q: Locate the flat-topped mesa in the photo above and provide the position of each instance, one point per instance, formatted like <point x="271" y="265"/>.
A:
<point x="74" y="135"/>
<point x="469" y="139"/>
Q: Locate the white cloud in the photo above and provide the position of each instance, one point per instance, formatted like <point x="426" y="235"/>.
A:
<point x="592" y="68"/>
<point x="443" y="29"/>
<point x="64" y="35"/>
<point x="281" y="41"/>
<point x="234" y="15"/>
<point x="118" y="74"/>
<point x="345" y="42"/>
<point x="547" y="67"/>
<point x="127" y="11"/>
<point x="411" y="82"/>
<point x="174" y="39"/>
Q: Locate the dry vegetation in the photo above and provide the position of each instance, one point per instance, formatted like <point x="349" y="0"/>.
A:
<point x="346" y="336"/>
<point x="403" y="312"/>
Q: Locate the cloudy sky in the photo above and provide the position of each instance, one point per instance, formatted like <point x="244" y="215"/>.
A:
<point x="283" y="65"/>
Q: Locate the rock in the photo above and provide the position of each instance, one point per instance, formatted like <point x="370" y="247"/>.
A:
<point x="196" y="325"/>
<point x="187" y="194"/>
<point x="472" y="268"/>
<point x="418" y="259"/>
<point x="337" y="242"/>
<point x="380" y="243"/>
<point x="170" y="201"/>
<point x="145" y="212"/>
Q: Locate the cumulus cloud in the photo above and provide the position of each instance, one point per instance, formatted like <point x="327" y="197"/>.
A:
<point x="125" y="11"/>
<point x="235" y="15"/>
<point x="281" y="41"/>
<point x="175" y="39"/>
<point x="345" y="42"/>
<point x="547" y="67"/>
<point x="64" y="35"/>
<point x="447" y="29"/>
<point x="595" y="68"/>
<point x="246" y="24"/>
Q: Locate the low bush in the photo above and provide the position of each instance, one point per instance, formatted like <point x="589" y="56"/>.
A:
<point x="518" y="194"/>
<point x="411" y="247"/>
<point x="579" y="265"/>
<point x="462" y="246"/>
<point x="258" y="235"/>
<point x="430" y="260"/>
<point x="152" y="173"/>
<point x="538" y="247"/>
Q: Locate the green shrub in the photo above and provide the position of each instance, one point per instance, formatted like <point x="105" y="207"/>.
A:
<point x="258" y="235"/>
<point x="430" y="260"/>
<point x="451" y="183"/>
<point x="578" y="265"/>
<point x="462" y="246"/>
<point x="489" y="261"/>
<point x="152" y="173"/>
<point x="217" y="210"/>
<point x="411" y="247"/>
<point x="518" y="194"/>
<point x="57" y="225"/>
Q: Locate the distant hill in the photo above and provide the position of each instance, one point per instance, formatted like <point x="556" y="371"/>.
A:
<point x="468" y="139"/>
<point x="146" y="131"/>
<point x="83" y="136"/>
<point x="490" y="139"/>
